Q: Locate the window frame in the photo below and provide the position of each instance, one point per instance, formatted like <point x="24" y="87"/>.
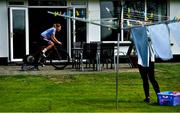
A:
<point x="122" y="39"/>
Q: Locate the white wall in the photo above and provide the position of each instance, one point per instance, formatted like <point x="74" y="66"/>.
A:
<point x="4" y="48"/>
<point x="93" y="31"/>
<point x="174" y="10"/>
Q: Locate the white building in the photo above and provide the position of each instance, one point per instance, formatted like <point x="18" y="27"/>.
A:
<point x="22" y="21"/>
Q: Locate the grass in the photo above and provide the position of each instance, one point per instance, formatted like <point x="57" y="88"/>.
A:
<point x="85" y="92"/>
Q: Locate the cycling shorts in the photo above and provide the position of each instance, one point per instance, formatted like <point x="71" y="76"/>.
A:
<point x="49" y="41"/>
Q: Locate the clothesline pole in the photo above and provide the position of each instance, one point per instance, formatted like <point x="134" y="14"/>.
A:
<point x="117" y="73"/>
<point x="120" y="34"/>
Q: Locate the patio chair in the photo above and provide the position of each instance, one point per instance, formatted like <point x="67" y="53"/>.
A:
<point x="89" y="54"/>
<point x="107" y="54"/>
<point x="76" y="55"/>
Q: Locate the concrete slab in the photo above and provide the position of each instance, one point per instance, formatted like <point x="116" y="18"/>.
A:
<point x="49" y="70"/>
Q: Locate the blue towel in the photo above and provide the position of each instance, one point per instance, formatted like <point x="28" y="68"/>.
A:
<point x="159" y="36"/>
<point x="140" y="39"/>
<point x="175" y="30"/>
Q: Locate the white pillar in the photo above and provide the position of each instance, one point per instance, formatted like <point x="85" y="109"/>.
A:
<point x="93" y="12"/>
<point x="4" y="50"/>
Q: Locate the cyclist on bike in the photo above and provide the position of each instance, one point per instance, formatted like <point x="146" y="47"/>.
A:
<point x="49" y="37"/>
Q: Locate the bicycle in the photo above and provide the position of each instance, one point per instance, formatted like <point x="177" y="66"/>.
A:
<point x="57" y="57"/>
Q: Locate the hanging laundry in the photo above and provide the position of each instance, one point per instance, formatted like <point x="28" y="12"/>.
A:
<point x="140" y="39"/>
<point x="175" y="30"/>
<point x="82" y="13"/>
<point x="129" y="13"/>
<point x="151" y="15"/>
<point x="77" y="13"/>
<point x="69" y="13"/>
<point x="159" y="36"/>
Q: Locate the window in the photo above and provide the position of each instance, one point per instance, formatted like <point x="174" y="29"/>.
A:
<point x="15" y="2"/>
<point x="47" y="2"/>
<point x="114" y="7"/>
<point x="157" y="10"/>
<point x="152" y="10"/>
<point x="133" y="9"/>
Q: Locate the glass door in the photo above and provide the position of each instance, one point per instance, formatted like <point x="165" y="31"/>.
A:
<point x="19" y="40"/>
<point x="78" y="28"/>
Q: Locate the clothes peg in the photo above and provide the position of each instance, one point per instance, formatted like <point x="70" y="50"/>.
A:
<point x="77" y="13"/>
<point x="56" y="13"/>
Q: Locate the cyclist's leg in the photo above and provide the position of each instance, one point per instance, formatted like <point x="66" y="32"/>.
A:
<point x="48" y="43"/>
<point x="40" y="57"/>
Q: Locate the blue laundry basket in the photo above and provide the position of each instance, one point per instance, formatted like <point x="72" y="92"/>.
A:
<point x="169" y="98"/>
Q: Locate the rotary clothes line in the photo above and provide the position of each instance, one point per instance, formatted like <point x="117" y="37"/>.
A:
<point x="143" y="54"/>
<point x="159" y="36"/>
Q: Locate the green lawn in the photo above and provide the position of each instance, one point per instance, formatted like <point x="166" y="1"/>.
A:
<point x="85" y="92"/>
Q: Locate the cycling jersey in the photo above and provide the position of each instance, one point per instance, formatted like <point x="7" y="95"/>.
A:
<point x="47" y="34"/>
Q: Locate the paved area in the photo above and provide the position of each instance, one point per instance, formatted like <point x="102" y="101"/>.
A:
<point x="16" y="70"/>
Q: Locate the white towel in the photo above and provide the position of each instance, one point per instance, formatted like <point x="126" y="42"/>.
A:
<point x="159" y="36"/>
<point x="175" y="30"/>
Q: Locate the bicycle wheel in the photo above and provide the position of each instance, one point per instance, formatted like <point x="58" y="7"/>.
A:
<point x="28" y="63"/>
<point x="59" y="58"/>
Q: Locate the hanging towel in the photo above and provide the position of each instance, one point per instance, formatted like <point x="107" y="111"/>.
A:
<point x="175" y="30"/>
<point x="139" y="36"/>
<point x="159" y="36"/>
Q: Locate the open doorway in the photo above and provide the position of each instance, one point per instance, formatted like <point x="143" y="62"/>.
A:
<point x="40" y="20"/>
